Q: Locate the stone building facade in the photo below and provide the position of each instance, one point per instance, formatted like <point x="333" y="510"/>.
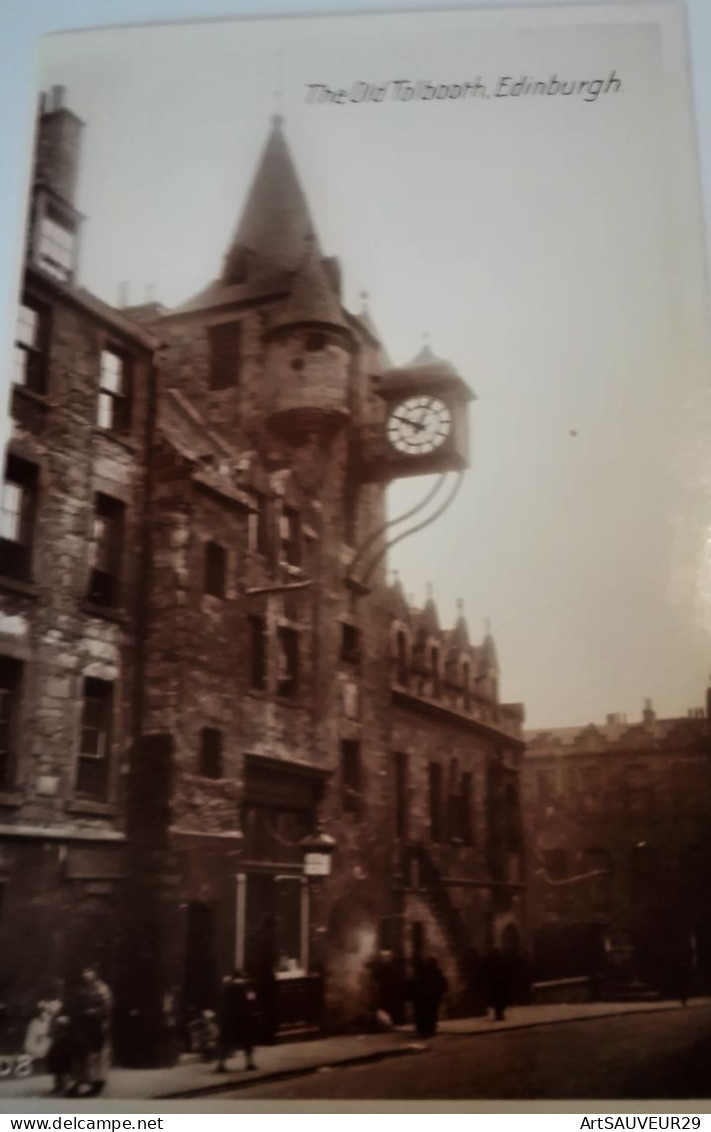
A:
<point x="71" y="518"/>
<point x="617" y="821"/>
<point x="308" y="770"/>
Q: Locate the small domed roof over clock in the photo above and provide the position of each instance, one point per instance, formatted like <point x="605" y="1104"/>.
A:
<point x="425" y="427"/>
<point x="426" y="369"/>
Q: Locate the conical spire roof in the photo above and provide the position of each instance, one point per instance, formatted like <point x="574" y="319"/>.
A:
<point x="460" y="632"/>
<point x="312" y="298"/>
<point x="275" y="220"/>
<point x="489" y="659"/>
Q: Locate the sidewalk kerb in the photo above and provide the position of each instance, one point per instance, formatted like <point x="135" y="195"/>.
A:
<point x="661" y="1008"/>
<point x="247" y="1082"/>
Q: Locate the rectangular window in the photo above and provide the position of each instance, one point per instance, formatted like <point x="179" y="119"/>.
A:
<point x="351" y="777"/>
<point x="105" y="551"/>
<point x="17" y="518"/>
<point x="215" y="569"/>
<point x="435" y="780"/>
<point x="350" y="643"/>
<point x="258" y="528"/>
<point x="56" y="247"/>
<point x="402" y="791"/>
<point x="434" y="663"/>
<point x="467" y="686"/>
<point x="257" y="653"/>
<point x="225" y="353"/>
<point x="465" y="809"/>
<point x="114" y="406"/>
<point x="29" y="363"/>
<point x="290" y="536"/>
<point x="210" y="762"/>
<point x="402" y="658"/>
<point x="288" y="665"/>
<point x="95" y="749"/>
<point x="10" y="686"/>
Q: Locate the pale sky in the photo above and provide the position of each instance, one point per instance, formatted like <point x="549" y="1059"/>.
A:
<point x="548" y="245"/>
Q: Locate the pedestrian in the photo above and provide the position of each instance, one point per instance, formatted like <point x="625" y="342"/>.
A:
<point x="498" y="983"/>
<point x="65" y="1056"/>
<point x="237" y="1020"/>
<point x="387" y="990"/>
<point x="93" y="1021"/>
<point x="429" y="987"/>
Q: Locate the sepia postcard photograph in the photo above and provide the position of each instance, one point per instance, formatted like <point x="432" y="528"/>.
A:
<point x="355" y="701"/>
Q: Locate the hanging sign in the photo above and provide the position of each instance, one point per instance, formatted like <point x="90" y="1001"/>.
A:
<point x="317" y="864"/>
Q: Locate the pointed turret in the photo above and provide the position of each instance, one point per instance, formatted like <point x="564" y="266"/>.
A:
<point x="275" y="221"/>
<point x="312" y="300"/>
<point x="488" y="658"/>
<point x="459" y="637"/>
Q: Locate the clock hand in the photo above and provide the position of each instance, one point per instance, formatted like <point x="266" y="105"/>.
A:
<point x="410" y="423"/>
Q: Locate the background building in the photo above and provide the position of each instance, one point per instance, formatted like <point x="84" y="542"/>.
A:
<point x="211" y="693"/>
<point x="619" y="850"/>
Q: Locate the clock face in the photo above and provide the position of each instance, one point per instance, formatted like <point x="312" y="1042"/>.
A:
<point x="419" y="425"/>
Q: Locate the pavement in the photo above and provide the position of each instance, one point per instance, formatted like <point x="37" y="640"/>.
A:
<point x="192" y="1078"/>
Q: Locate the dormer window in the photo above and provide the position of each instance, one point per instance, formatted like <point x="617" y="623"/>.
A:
<point x="55" y="251"/>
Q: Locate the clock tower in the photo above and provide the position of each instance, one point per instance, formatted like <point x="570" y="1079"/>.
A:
<point x="424" y="427"/>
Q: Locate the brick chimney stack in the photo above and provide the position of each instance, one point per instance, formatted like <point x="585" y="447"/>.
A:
<point x="649" y="714"/>
<point x="58" y="146"/>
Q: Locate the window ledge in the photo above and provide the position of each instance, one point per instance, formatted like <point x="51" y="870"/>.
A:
<point x="258" y="693"/>
<point x="29" y="589"/>
<point x="31" y="395"/>
<point x="10" y="798"/>
<point x="124" y="440"/>
<point x="106" y="612"/>
<point x="96" y="809"/>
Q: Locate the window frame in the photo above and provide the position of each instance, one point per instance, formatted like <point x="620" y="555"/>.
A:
<point x="225" y="341"/>
<point x="214" y="567"/>
<point x="258" y="652"/>
<point x="352" y="796"/>
<point x="105" y="581"/>
<point x="63" y="268"/>
<point x="211" y="754"/>
<point x="435" y="784"/>
<point x="89" y="763"/>
<point x="118" y="400"/>
<point x="289" y="651"/>
<point x="11" y="682"/>
<point x="35" y="354"/>
<point x="16" y="553"/>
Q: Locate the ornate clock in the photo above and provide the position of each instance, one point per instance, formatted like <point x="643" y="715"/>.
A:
<point x="418" y="425"/>
<point x="424" y="428"/>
